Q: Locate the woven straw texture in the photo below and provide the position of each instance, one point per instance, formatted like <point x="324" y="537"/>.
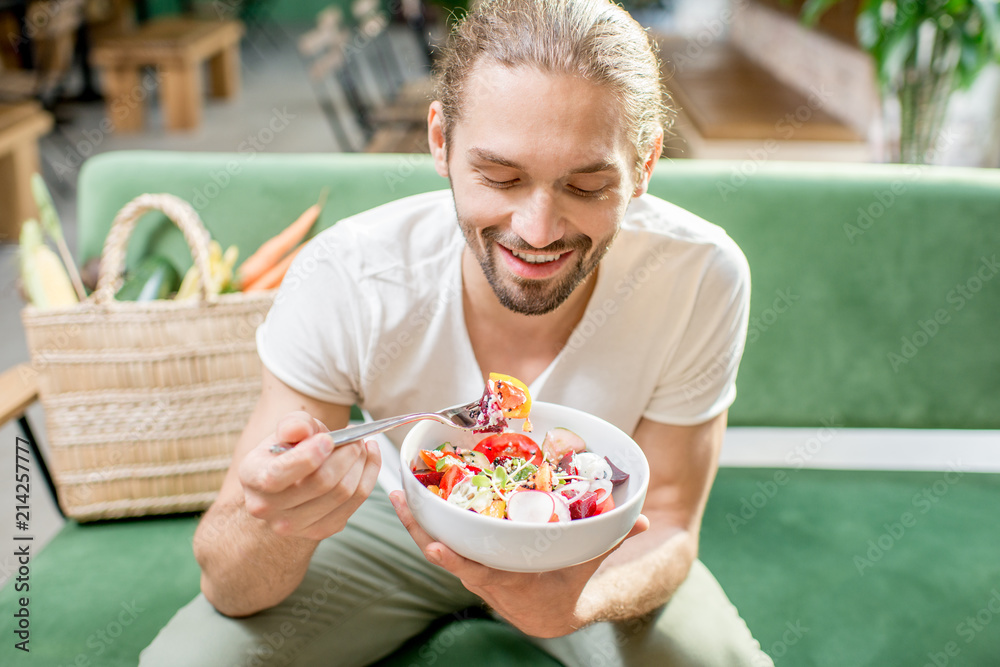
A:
<point x="144" y="402"/>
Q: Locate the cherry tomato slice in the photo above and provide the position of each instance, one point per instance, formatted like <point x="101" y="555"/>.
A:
<point x="451" y="477"/>
<point x="510" y="444"/>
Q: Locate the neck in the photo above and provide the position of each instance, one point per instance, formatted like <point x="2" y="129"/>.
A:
<point x="509" y="342"/>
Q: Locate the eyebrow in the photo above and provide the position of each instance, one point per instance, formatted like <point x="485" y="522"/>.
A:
<point x="490" y="156"/>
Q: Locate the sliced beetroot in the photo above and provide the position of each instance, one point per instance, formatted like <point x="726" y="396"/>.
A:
<point x="617" y="474"/>
<point x="429" y="478"/>
<point x="566" y="465"/>
<point x="584" y="506"/>
<point x="487" y="404"/>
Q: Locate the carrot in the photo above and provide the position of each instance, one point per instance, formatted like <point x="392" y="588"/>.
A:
<point x="272" y="251"/>
<point x="273" y="276"/>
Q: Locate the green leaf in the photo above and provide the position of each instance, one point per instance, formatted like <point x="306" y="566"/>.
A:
<point x="867" y="28"/>
<point x="813" y="10"/>
<point x="481" y="480"/>
<point x="989" y="11"/>
<point x="47" y="215"/>
<point x="899" y="47"/>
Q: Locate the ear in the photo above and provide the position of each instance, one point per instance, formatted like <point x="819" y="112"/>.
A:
<point x="435" y="137"/>
<point x="647" y="168"/>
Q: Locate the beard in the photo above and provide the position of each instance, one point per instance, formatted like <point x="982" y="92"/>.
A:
<point x="533" y="297"/>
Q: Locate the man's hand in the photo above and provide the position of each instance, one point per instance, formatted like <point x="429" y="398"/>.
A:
<point x="311" y="490"/>
<point x="545" y="604"/>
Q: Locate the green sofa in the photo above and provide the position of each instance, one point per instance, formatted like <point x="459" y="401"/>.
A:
<point x="874" y="304"/>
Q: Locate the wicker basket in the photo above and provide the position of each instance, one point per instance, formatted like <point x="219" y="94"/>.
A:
<point x="144" y="402"/>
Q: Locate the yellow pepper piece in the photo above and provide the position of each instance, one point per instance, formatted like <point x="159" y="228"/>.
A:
<point x="515" y="399"/>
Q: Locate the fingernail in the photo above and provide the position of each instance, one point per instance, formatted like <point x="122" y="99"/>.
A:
<point x="326" y="446"/>
<point x="394" y="499"/>
<point x="434" y="557"/>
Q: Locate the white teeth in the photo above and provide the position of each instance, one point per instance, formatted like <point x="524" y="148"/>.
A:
<point x="535" y="259"/>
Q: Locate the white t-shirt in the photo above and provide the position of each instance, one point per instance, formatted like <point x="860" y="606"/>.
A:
<point x="370" y="313"/>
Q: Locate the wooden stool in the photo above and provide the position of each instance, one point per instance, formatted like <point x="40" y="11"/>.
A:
<point x="177" y="47"/>
<point x="20" y="127"/>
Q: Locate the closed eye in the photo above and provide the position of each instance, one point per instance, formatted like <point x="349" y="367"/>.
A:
<point x="587" y="193"/>
<point x="500" y="185"/>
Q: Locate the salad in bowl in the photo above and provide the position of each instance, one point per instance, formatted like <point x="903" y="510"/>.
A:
<point x="520" y="502"/>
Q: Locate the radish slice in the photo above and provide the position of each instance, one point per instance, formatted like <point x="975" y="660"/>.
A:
<point x="531" y="506"/>
<point x="562" y="507"/>
<point x="603" y="489"/>
<point x="592" y="466"/>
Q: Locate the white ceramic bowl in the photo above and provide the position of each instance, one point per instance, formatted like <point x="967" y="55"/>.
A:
<point x="525" y="547"/>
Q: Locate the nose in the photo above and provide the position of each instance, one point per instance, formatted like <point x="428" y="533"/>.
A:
<point x="538" y="220"/>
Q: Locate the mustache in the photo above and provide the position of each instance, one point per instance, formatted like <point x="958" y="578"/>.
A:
<point x="515" y="242"/>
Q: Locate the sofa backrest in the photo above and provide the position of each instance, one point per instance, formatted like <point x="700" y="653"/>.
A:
<point x="875" y="299"/>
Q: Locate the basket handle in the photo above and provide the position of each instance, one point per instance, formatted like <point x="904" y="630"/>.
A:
<point x="109" y="279"/>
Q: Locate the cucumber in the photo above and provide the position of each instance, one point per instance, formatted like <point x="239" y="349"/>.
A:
<point x="154" y="278"/>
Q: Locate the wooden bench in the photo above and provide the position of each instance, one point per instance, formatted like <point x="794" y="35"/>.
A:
<point x="729" y="107"/>
<point x="20" y="127"/>
<point x="177" y="47"/>
<point x="18" y="390"/>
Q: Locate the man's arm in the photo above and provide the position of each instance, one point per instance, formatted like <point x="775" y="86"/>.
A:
<point x="255" y="541"/>
<point x="639" y="576"/>
<point x="643" y="573"/>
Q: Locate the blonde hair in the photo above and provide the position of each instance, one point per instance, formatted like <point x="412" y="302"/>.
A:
<point x="594" y="39"/>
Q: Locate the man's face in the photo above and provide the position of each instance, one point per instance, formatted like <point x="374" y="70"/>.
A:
<point x="541" y="174"/>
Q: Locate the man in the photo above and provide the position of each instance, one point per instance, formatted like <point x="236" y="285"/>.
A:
<point x="546" y="261"/>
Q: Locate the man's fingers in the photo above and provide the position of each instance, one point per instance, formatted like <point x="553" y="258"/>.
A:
<point x="641" y="526"/>
<point x="297" y="426"/>
<point x="358" y="483"/>
<point x="315" y="483"/>
<point x="282" y="470"/>
<point x="419" y="535"/>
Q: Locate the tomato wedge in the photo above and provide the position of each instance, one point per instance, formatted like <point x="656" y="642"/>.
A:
<point x="431" y="457"/>
<point x="510" y="444"/>
<point x="451" y="477"/>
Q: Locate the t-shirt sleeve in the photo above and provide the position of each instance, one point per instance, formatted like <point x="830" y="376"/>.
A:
<point x="311" y="337"/>
<point x="699" y="380"/>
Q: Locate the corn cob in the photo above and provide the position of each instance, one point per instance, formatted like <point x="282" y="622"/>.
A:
<point x="42" y="273"/>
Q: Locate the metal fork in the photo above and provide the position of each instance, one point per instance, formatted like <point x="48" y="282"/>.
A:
<point x="462" y="417"/>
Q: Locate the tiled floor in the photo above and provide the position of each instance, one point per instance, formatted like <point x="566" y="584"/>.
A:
<point x="274" y="76"/>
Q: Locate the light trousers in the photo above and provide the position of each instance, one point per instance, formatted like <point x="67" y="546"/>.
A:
<point x="369" y="589"/>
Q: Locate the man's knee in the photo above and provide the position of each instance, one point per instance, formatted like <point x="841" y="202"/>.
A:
<point x="199" y="636"/>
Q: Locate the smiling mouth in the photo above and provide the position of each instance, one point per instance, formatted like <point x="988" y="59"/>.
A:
<point x="535" y="259"/>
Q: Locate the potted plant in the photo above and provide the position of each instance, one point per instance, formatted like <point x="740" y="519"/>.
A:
<point x="924" y="50"/>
